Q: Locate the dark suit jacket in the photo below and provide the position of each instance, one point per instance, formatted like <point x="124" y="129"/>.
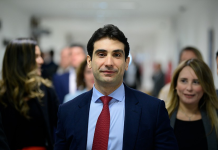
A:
<point x="61" y="85"/>
<point x="212" y="142"/>
<point x="48" y="106"/>
<point x="3" y="140"/>
<point x="146" y="126"/>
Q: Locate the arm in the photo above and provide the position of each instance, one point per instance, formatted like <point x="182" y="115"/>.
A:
<point x="3" y="140"/>
<point x="164" y="135"/>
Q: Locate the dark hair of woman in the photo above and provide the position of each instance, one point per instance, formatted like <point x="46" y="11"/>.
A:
<point x="20" y="81"/>
<point x="80" y="76"/>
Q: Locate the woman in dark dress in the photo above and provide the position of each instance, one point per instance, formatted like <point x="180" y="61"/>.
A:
<point x="193" y="106"/>
<point x="28" y="104"/>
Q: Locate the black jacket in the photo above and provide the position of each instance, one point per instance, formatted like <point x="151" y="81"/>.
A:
<point x="13" y="122"/>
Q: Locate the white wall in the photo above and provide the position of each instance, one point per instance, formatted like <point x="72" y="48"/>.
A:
<point x="15" y="23"/>
<point x="214" y="16"/>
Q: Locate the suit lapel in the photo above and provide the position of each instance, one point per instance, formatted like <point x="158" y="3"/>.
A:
<point x="132" y="119"/>
<point x="81" y="119"/>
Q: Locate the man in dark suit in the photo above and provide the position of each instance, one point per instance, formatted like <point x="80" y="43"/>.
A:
<point x="66" y="83"/>
<point x="112" y="116"/>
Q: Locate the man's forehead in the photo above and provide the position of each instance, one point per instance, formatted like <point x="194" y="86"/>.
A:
<point x="104" y="42"/>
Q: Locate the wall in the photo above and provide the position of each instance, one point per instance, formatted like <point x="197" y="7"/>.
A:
<point x="14" y="22"/>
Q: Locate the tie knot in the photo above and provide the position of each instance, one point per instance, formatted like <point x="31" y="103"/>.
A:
<point x="105" y="99"/>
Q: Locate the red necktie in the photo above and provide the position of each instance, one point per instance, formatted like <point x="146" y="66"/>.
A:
<point x="101" y="135"/>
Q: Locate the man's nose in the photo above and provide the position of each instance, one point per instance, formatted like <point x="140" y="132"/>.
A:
<point x="109" y="61"/>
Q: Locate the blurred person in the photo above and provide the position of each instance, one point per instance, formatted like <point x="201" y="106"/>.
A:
<point x="3" y="139"/>
<point x="28" y="104"/>
<point x="84" y="81"/>
<point x="158" y="78"/>
<point x="66" y="83"/>
<point x="112" y="116"/>
<point x="49" y="67"/>
<point x="193" y="106"/>
<point x="132" y="77"/>
<point x="185" y="54"/>
<point x="65" y="61"/>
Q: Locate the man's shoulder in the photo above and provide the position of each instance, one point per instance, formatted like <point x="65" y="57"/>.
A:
<point x="77" y="101"/>
<point x="141" y="96"/>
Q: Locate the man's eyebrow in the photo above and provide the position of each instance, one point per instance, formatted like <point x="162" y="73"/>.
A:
<point x="100" y="50"/>
<point x="115" y="51"/>
<point x="118" y="50"/>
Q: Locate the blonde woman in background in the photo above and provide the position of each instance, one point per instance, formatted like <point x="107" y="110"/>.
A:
<point x="193" y="106"/>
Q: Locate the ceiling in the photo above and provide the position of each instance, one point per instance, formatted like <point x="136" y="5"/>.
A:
<point x="107" y="9"/>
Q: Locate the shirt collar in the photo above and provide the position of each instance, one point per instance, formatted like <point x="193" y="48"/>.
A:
<point x="118" y="94"/>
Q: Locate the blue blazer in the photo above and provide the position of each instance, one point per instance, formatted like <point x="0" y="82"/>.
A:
<point x="61" y="85"/>
<point x="146" y="126"/>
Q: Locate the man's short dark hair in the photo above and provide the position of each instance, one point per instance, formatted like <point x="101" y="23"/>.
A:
<point x="216" y="54"/>
<point x="110" y="31"/>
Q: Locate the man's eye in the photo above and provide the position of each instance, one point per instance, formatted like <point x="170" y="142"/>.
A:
<point x="117" y="55"/>
<point x="101" y="54"/>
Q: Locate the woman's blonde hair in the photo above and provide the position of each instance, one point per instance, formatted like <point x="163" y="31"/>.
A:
<point x="20" y="81"/>
<point x="209" y="100"/>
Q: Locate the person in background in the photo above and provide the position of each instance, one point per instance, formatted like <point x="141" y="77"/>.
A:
<point x="132" y="77"/>
<point x="112" y="116"/>
<point x="185" y="54"/>
<point x="84" y="81"/>
<point x="64" y="65"/>
<point x="3" y="140"/>
<point x="28" y="104"/>
<point x="66" y="83"/>
<point x="193" y="106"/>
<point x="158" y="78"/>
<point x="49" y="67"/>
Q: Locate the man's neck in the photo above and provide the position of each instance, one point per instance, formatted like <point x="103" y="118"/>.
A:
<point x="107" y="89"/>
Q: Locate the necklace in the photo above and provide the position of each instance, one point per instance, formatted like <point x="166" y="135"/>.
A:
<point x="189" y="117"/>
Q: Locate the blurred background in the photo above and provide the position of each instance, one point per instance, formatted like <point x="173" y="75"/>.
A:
<point x="157" y="30"/>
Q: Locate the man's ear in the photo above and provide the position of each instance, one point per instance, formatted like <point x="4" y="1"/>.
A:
<point x="89" y="61"/>
<point x="127" y="63"/>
